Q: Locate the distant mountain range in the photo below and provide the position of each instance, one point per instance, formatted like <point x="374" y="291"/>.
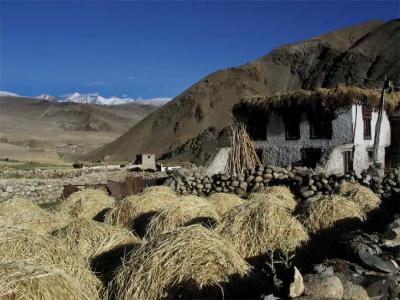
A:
<point x="94" y="98"/>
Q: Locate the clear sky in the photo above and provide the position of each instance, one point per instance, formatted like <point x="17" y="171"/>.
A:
<point x="154" y="49"/>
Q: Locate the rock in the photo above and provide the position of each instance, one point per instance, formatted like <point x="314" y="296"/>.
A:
<point x="258" y="179"/>
<point x="4" y="194"/>
<point x="376" y="263"/>
<point x="323" y="269"/>
<point x="250" y="178"/>
<point x="353" y="291"/>
<point x="9" y="189"/>
<point x="243" y="185"/>
<point x="307" y="194"/>
<point x="296" y="287"/>
<point x="323" y="286"/>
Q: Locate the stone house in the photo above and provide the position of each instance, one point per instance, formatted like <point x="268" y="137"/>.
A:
<point x="331" y="130"/>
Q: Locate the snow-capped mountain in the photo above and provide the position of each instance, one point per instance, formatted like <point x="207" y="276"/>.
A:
<point x="94" y="98"/>
<point x="47" y="97"/>
<point x="4" y="93"/>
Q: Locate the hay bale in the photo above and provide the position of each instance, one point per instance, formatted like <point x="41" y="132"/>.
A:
<point x="88" y="203"/>
<point x="259" y="227"/>
<point x="23" y="213"/>
<point x="23" y="244"/>
<point x="361" y="195"/>
<point x="280" y="195"/>
<point x="137" y="210"/>
<point x="190" y="257"/>
<point x="323" y="213"/>
<point x="224" y="202"/>
<point x="92" y="238"/>
<point x="27" y="280"/>
<point x="188" y="211"/>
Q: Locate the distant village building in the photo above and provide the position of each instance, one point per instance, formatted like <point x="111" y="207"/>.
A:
<point x="145" y="161"/>
<point x="328" y="129"/>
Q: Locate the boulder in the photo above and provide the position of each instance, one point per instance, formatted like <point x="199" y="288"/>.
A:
<point x="323" y="286"/>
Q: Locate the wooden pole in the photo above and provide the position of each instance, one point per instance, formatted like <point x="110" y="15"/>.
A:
<point x="379" y="122"/>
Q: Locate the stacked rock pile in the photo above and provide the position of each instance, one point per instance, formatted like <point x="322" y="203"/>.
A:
<point x="304" y="182"/>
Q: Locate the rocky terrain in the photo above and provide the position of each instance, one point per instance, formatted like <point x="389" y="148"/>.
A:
<point x="362" y="54"/>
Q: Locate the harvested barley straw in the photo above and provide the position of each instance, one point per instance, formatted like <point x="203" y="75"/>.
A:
<point x="322" y="213"/>
<point x="280" y="195"/>
<point x="23" y="244"/>
<point x="27" y="280"/>
<point x="23" y="213"/>
<point x="91" y="238"/>
<point x="360" y="195"/>
<point x="193" y="257"/>
<point x="87" y="203"/>
<point x="224" y="202"/>
<point x="188" y="211"/>
<point x="260" y="227"/>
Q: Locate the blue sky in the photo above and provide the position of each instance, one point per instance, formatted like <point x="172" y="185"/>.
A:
<point x="153" y="49"/>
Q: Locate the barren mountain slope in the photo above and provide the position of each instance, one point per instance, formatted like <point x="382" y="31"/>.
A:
<point x="323" y="61"/>
<point x="41" y="125"/>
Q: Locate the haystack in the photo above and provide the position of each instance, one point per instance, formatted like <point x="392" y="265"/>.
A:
<point x="87" y="203"/>
<point x="224" y="202"/>
<point x="91" y="238"/>
<point x="27" y="280"/>
<point x="23" y="244"/>
<point x="136" y="211"/>
<point x="360" y="195"/>
<point x="23" y="213"/>
<point x="159" y="190"/>
<point x="260" y="227"/>
<point x="191" y="257"/>
<point x="333" y="213"/>
<point x="280" y="195"/>
<point x="187" y="211"/>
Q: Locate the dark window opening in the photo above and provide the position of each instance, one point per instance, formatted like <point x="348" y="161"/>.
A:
<point x="367" y="129"/>
<point x="311" y="157"/>
<point x="292" y="128"/>
<point x="347" y="161"/>
<point x="257" y="126"/>
<point x="370" y="154"/>
<point x="320" y="126"/>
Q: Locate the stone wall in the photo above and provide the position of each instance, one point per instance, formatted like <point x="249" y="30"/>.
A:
<point x="46" y="186"/>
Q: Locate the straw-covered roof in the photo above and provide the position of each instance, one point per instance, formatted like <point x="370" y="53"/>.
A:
<point x="330" y="99"/>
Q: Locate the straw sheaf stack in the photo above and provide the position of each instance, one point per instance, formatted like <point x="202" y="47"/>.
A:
<point x="187" y="211"/>
<point x="23" y="244"/>
<point x="91" y="238"/>
<point x="360" y="195"/>
<point x="186" y="260"/>
<point x="279" y="195"/>
<point x="87" y="203"/>
<point x="336" y="213"/>
<point x="260" y="227"/>
<point x="224" y="202"/>
<point x="27" y="280"/>
<point x="24" y="214"/>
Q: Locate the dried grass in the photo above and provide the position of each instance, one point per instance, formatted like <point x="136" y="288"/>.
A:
<point x="23" y="244"/>
<point x="87" y="203"/>
<point x="224" y="202"/>
<point x="189" y="210"/>
<point x="280" y="195"/>
<point x="361" y="195"/>
<point x="260" y="227"/>
<point x="27" y="280"/>
<point x="159" y="190"/>
<point x="190" y="257"/>
<point x="91" y="238"/>
<point x="335" y="212"/>
<point x="330" y="99"/>
<point x="23" y="213"/>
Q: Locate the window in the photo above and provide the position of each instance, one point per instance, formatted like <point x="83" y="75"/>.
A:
<point x="366" y="114"/>
<point x="320" y="128"/>
<point x="347" y="161"/>
<point x="311" y="157"/>
<point x="292" y="128"/>
<point x="257" y="126"/>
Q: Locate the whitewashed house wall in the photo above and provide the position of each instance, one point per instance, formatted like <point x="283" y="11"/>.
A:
<point x="279" y="151"/>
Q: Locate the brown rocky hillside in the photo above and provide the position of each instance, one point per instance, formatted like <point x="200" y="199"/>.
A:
<point x="369" y="50"/>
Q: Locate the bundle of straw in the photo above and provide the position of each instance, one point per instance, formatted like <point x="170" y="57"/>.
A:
<point x="224" y="202"/>
<point x="242" y="155"/>
<point x="360" y="195"/>
<point x="27" y="280"/>
<point x="191" y="258"/>
<point x="280" y="195"/>
<point x="187" y="211"/>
